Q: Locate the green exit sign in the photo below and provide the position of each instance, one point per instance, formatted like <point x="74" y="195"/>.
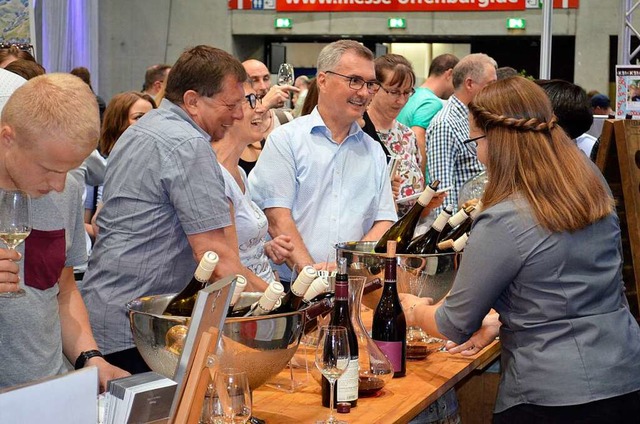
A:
<point x="516" y="23"/>
<point x="283" y="23"/>
<point x="397" y="23"/>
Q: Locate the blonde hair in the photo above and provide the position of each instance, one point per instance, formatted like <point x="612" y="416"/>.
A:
<point x="530" y="155"/>
<point x="58" y="106"/>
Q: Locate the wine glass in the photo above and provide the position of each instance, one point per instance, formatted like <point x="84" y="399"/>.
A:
<point x="15" y="223"/>
<point x="332" y="358"/>
<point x="285" y="74"/>
<point x="234" y="395"/>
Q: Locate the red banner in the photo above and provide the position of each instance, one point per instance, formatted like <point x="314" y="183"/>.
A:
<point x="395" y="5"/>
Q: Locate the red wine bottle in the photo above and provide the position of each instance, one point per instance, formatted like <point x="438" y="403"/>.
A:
<point x="389" y="330"/>
<point x="426" y="243"/>
<point x="402" y="231"/>
<point x="182" y="304"/>
<point x="346" y="387"/>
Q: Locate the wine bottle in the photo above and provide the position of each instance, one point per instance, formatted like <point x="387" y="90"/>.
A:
<point x="346" y="387"/>
<point x="471" y="211"/>
<point x="182" y="303"/>
<point x="241" y="284"/>
<point x="319" y="286"/>
<point x="426" y="243"/>
<point x="267" y="302"/>
<point x="448" y="246"/>
<point x="389" y="330"/>
<point x="402" y="231"/>
<point x="293" y="300"/>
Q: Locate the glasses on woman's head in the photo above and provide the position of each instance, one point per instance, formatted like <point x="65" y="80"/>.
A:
<point x="472" y="143"/>
<point x="396" y="94"/>
<point x="356" y="83"/>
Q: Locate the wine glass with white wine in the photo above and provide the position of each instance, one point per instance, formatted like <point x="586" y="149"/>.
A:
<point x="15" y="224"/>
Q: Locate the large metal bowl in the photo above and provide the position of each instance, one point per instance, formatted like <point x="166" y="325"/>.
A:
<point x="422" y="275"/>
<point x="261" y="346"/>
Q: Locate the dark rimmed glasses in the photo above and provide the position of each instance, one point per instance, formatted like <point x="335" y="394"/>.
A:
<point x="252" y="99"/>
<point x="396" y="94"/>
<point x="472" y="143"/>
<point x="356" y="83"/>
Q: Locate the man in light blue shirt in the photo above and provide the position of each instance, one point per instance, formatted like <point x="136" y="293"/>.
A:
<point x="320" y="178"/>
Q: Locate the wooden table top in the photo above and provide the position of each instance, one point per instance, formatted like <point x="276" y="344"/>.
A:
<point x="400" y="401"/>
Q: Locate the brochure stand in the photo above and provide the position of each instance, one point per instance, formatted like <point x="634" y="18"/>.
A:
<point x="198" y="355"/>
<point x="619" y="160"/>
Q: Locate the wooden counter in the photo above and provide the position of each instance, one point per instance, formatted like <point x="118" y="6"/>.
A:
<point x="400" y="401"/>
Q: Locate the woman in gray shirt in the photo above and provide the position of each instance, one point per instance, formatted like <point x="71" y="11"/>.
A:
<point x="545" y="253"/>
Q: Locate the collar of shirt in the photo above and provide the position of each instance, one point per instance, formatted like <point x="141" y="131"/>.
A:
<point x="457" y="108"/>
<point x="171" y="107"/>
<point x="318" y="126"/>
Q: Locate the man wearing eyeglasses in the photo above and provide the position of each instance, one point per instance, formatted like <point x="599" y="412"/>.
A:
<point x="321" y="179"/>
<point x="449" y="158"/>
<point x="164" y="200"/>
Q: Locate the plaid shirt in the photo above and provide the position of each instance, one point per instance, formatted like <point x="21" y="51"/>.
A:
<point x="448" y="159"/>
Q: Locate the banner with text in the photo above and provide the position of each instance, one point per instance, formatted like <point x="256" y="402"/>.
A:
<point x="395" y="5"/>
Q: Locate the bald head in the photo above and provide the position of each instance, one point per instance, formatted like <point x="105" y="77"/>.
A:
<point x="259" y="76"/>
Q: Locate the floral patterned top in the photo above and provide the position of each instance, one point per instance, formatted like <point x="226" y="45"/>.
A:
<point x="402" y="144"/>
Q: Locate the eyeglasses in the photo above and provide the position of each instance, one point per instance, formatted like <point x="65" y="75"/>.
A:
<point x="252" y="99"/>
<point x="472" y="143"/>
<point x="396" y="94"/>
<point x="356" y="83"/>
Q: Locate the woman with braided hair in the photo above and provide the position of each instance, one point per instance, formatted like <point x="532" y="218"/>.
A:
<point x="545" y="253"/>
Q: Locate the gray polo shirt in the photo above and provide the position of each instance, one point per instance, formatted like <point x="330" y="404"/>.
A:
<point x="162" y="183"/>
<point x="31" y="338"/>
<point x="567" y="334"/>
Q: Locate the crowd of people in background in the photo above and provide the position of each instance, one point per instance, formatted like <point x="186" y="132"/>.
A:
<point x="210" y="155"/>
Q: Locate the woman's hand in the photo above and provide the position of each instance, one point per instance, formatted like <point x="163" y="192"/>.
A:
<point x="279" y="249"/>
<point x="480" y="339"/>
<point x="409" y="303"/>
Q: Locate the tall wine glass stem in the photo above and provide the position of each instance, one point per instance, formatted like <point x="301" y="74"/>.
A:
<point x="331" y="419"/>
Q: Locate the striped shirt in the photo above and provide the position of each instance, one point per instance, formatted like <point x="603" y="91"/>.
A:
<point x="448" y="159"/>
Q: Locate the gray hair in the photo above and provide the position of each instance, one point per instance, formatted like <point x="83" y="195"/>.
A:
<point x="331" y="54"/>
<point x="471" y="66"/>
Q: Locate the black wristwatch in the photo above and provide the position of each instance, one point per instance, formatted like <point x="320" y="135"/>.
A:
<point x="85" y="356"/>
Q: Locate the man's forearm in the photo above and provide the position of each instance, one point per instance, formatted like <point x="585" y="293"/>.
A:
<point x="378" y="229"/>
<point x="74" y="318"/>
<point x="281" y="223"/>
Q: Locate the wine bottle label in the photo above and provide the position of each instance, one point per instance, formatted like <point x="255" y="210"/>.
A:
<point x="458" y="218"/>
<point x="393" y="352"/>
<point x="347" y="384"/>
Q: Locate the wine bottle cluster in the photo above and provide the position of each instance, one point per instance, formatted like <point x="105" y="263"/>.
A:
<point x="402" y="231"/>
<point x="448" y="233"/>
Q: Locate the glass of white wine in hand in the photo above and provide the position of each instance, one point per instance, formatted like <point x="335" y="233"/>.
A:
<point x="15" y="224"/>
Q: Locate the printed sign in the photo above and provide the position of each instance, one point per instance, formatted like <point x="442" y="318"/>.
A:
<point x="628" y="91"/>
